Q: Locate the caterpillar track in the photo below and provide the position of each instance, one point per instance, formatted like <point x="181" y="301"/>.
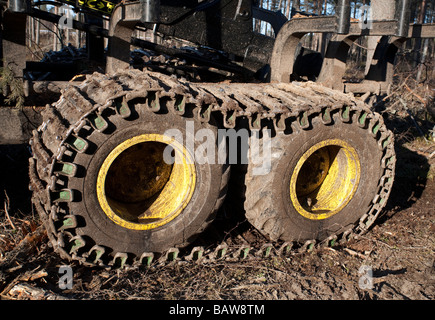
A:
<point x="76" y="127"/>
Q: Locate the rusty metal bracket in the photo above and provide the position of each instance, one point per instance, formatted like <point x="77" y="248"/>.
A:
<point x="287" y="40"/>
<point x="123" y="21"/>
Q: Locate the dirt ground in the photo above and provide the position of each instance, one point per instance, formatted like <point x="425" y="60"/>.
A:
<point x="395" y="260"/>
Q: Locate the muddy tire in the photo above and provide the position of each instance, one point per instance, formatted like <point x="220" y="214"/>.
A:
<point x="327" y="178"/>
<point x="101" y="181"/>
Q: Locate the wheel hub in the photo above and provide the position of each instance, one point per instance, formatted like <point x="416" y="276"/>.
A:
<point x="325" y="179"/>
<point x="138" y="190"/>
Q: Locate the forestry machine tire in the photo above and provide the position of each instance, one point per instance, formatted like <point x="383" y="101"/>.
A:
<point x="101" y="181"/>
<point x="330" y="176"/>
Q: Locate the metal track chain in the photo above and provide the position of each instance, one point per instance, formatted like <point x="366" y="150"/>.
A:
<point x="82" y="108"/>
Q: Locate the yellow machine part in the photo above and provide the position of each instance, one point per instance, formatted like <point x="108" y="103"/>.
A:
<point x="138" y="190"/>
<point x="325" y="179"/>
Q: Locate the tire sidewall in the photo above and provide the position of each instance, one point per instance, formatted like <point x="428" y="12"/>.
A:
<point x="176" y="232"/>
<point x="293" y="223"/>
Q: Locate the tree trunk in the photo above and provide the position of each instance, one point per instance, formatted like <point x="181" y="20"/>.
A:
<point x="417" y="47"/>
<point x="422" y="12"/>
<point x="287" y="14"/>
<point x="421" y="67"/>
<point x="297" y="5"/>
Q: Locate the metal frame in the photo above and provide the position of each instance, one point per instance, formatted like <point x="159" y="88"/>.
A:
<point x="380" y="75"/>
<point x="215" y="23"/>
<point x="123" y="21"/>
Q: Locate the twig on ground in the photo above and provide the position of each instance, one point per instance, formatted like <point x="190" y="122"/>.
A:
<point x="24" y="248"/>
<point x="354" y="253"/>
<point x="28" y="292"/>
<point x="412" y="118"/>
<point x="416" y="95"/>
<point x="7" y="207"/>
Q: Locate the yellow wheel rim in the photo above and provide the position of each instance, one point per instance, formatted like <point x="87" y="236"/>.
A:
<point x="138" y="190"/>
<point x="325" y="179"/>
